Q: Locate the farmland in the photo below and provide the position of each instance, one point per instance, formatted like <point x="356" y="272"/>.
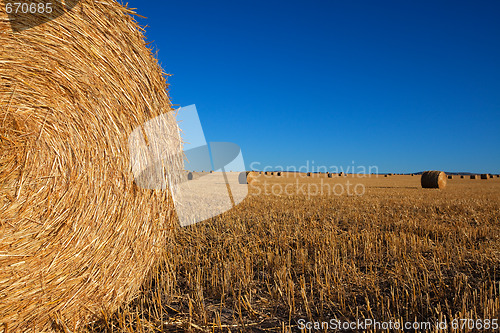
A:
<point x="397" y="252"/>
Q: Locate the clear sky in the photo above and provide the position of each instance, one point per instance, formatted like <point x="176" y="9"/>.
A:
<point x="402" y="85"/>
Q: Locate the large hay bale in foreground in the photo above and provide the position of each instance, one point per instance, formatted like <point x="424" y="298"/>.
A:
<point x="78" y="236"/>
<point x="433" y="179"/>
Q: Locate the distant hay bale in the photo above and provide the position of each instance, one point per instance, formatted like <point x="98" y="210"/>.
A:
<point x="278" y="174"/>
<point x="196" y="175"/>
<point x="491" y="176"/>
<point x="341" y="174"/>
<point x="272" y="173"/>
<point x="450" y="177"/>
<point x="472" y="176"/>
<point x="330" y="175"/>
<point x="484" y="176"/>
<point x="246" y="177"/>
<point x="80" y="236"/>
<point x="308" y="174"/>
<point x="385" y="175"/>
<point x="433" y="179"/>
<point x="462" y="176"/>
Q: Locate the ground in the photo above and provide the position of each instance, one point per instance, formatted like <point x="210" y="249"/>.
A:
<point x="388" y="250"/>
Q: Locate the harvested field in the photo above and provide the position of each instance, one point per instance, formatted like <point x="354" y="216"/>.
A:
<point x="397" y="252"/>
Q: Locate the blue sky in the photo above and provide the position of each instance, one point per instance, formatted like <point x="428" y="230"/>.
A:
<point x="402" y="85"/>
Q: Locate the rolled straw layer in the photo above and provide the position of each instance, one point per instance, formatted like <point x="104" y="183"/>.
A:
<point x="77" y="236"/>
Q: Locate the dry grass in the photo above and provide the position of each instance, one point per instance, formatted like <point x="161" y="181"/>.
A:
<point x="398" y="252"/>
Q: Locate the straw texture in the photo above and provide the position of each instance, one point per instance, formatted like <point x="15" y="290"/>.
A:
<point x="77" y="236"/>
<point x="433" y="179"/>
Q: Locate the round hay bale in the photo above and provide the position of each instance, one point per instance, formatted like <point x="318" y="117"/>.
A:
<point x="308" y="174"/>
<point x="491" y="176"/>
<point x="245" y="177"/>
<point x="385" y="175"/>
<point x="341" y="174"/>
<point x="278" y="174"/>
<point x="450" y="177"/>
<point x="196" y="175"/>
<point x="433" y="179"/>
<point x="484" y="176"/>
<point x="472" y="176"/>
<point x="461" y="176"/>
<point x="80" y="236"/>
<point x="330" y="175"/>
<point x="272" y="173"/>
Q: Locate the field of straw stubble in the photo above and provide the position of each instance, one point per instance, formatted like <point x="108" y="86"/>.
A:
<point x="398" y="252"/>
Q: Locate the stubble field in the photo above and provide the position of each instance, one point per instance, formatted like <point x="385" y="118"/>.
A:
<point x="291" y="255"/>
